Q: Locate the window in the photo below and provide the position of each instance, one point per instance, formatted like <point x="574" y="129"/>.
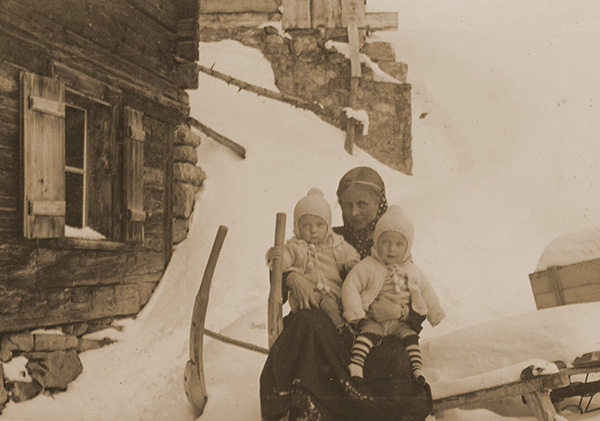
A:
<point x="77" y="174"/>
<point x="75" y="167"/>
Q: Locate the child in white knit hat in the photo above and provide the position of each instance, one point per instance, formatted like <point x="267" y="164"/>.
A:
<point x="387" y="277"/>
<point x="317" y="253"/>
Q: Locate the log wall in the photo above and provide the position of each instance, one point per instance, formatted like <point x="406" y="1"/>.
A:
<point x="121" y="52"/>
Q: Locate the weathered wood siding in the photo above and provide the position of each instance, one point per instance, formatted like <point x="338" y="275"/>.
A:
<point x="121" y="54"/>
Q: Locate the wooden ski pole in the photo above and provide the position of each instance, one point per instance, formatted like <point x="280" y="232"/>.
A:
<point x="193" y="376"/>
<point x="275" y="312"/>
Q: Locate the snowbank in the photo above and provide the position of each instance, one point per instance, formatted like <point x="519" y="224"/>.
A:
<point x="571" y="248"/>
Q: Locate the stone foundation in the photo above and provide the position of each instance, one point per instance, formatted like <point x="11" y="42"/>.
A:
<point x="53" y="360"/>
<point x="304" y="67"/>
<point x="188" y="179"/>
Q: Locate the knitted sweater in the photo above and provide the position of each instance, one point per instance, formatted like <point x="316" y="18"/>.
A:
<point x="321" y="264"/>
<point x="365" y="280"/>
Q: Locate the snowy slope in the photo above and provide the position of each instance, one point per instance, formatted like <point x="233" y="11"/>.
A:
<point x="505" y="161"/>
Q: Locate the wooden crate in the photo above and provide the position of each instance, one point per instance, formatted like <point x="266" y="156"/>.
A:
<point x="570" y="284"/>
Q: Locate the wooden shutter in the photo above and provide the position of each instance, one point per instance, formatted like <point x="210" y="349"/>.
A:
<point x="135" y="137"/>
<point x="326" y="13"/>
<point x="43" y="156"/>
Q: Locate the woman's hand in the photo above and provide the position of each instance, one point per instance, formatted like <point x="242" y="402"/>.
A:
<point x="303" y="290"/>
<point x="383" y="309"/>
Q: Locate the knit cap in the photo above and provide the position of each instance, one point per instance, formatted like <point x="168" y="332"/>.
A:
<point x="313" y="203"/>
<point x="394" y="219"/>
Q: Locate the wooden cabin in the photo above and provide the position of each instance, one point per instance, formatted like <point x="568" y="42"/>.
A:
<point x="91" y="95"/>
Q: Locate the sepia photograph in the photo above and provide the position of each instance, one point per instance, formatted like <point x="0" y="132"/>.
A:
<point x="299" y="210"/>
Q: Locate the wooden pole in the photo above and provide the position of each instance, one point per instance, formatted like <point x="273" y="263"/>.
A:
<point x="217" y="137"/>
<point x="236" y="342"/>
<point x="355" y="75"/>
<point x="193" y="378"/>
<point x="275" y="312"/>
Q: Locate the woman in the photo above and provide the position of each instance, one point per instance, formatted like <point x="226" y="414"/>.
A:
<point x="305" y="375"/>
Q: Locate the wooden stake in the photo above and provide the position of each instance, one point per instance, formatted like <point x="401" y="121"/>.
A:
<point x="193" y="377"/>
<point x="275" y="312"/>
<point x="355" y="78"/>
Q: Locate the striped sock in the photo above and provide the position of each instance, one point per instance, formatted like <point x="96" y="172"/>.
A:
<point x="360" y="349"/>
<point x="411" y="344"/>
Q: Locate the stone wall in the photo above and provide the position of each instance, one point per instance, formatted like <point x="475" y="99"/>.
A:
<point x="304" y="67"/>
<point x="187" y="180"/>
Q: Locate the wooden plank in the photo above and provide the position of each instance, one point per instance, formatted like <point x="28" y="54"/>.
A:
<point x="47" y="207"/>
<point x="30" y="44"/>
<point x="326" y="13"/>
<point x="296" y="14"/>
<point x="353" y="10"/>
<point x="134" y="176"/>
<point x="237" y="6"/>
<point x="43" y="105"/>
<point x="56" y="306"/>
<point x="237" y="20"/>
<point x="578" y="283"/>
<point x="354" y="45"/>
<point x="541" y="406"/>
<point x="381" y="21"/>
<point x="43" y="157"/>
<point x="473" y="399"/>
<point x="85" y="85"/>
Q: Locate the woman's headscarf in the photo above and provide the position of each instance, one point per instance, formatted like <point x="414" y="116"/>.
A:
<point x="370" y="179"/>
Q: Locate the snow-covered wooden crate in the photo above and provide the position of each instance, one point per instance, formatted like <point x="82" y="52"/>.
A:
<point x="568" y="284"/>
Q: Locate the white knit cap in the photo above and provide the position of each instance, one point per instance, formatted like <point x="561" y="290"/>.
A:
<point x="313" y="203"/>
<point x="394" y="219"/>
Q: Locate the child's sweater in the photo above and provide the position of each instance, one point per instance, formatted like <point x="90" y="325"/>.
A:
<point x="364" y="283"/>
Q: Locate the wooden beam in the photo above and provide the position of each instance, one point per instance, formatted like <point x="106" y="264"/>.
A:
<point x="381" y="21"/>
<point x="332" y="115"/>
<point x="236" y="342"/>
<point x="233" y="6"/>
<point x="522" y="387"/>
<point x="217" y="137"/>
<point x="236" y="20"/>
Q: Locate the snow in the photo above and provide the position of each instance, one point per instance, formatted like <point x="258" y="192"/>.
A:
<point x="15" y="370"/>
<point x="489" y="379"/>
<point x="85" y="232"/>
<point x="378" y="74"/>
<point x="569" y="248"/>
<point x="359" y="115"/>
<point x="505" y="160"/>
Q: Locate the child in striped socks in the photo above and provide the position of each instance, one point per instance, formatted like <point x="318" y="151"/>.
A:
<point x="387" y="277"/>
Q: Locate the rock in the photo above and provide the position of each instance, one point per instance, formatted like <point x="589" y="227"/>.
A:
<point x="304" y="45"/>
<point x="379" y="51"/>
<point x="16" y="342"/>
<point x="184" y="135"/>
<point x="54" y="342"/>
<point x="92" y="344"/>
<point x="23" y="391"/>
<point x="395" y="69"/>
<point x="188" y="173"/>
<point x="54" y="370"/>
<point x="183" y="200"/>
<point x="185" y="153"/>
<point x="76" y="329"/>
<point x="3" y="392"/>
<point x="181" y="228"/>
